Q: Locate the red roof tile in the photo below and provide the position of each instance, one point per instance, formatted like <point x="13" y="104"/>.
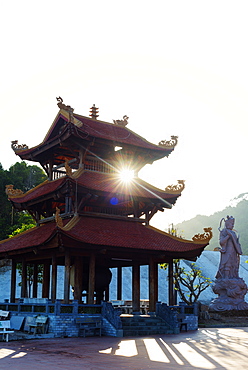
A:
<point x="109" y="233"/>
<point x="107" y="183"/>
<point x="98" y="129"/>
<point x="30" y="238"/>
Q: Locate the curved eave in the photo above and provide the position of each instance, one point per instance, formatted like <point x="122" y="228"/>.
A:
<point x="117" y="135"/>
<point x="99" y="182"/>
<point x="114" y="234"/>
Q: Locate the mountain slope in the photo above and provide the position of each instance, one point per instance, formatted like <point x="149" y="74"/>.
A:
<point x="238" y="208"/>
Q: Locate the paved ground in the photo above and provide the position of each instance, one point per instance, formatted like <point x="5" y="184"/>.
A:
<point x="218" y="348"/>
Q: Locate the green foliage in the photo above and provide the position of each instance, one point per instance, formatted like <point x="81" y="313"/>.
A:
<point x="189" y="283"/>
<point x="23" y="177"/>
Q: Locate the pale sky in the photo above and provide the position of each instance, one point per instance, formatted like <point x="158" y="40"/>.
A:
<point x="174" y="67"/>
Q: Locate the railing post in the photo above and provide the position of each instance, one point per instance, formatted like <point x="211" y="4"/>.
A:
<point x="57" y="307"/>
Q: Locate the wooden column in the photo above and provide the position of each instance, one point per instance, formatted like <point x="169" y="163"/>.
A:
<point x="67" y="277"/>
<point x="78" y="279"/>
<point x="54" y="278"/>
<point x="106" y="298"/>
<point x="119" y="282"/>
<point x="136" y="287"/>
<point x="170" y="283"/>
<point x="92" y="277"/>
<point x="35" y="280"/>
<point x="153" y="285"/>
<point x="24" y="292"/>
<point x="13" y="281"/>
<point x="46" y="280"/>
<point x="156" y="283"/>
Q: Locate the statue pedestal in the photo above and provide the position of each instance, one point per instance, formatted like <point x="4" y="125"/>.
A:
<point x="231" y="293"/>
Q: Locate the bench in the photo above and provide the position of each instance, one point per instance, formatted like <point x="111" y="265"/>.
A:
<point x="5" y="329"/>
<point x="89" y="324"/>
<point x="182" y="323"/>
<point x="37" y="323"/>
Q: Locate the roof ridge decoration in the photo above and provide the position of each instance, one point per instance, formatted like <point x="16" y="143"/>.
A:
<point x="169" y="144"/>
<point x="204" y="237"/>
<point x="67" y="108"/>
<point x="17" y="147"/>
<point x="94" y="112"/>
<point x="10" y="191"/>
<point x="176" y="189"/>
<point x="73" y="221"/>
<point x="121" y="122"/>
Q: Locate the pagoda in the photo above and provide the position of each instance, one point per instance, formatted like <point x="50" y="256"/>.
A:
<point x="89" y="218"/>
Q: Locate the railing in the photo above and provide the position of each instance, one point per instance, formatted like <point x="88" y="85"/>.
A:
<point x="57" y="308"/>
<point x="175" y="316"/>
<point x="168" y="314"/>
<point x="112" y="314"/>
<point x="98" y="166"/>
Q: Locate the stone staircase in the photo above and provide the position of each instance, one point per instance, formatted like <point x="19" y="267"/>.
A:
<point x="144" y="325"/>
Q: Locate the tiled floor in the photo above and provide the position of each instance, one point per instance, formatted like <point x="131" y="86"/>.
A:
<point x="218" y="348"/>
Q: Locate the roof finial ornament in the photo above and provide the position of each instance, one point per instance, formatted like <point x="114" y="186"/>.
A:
<point x="121" y="122"/>
<point x="67" y="108"/>
<point x="94" y="112"/>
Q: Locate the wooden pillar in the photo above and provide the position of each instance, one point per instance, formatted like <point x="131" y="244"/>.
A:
<point x="50" y="169"/>
<point x="13" y="281"/>
<point x="35" y="280"/>
<point x="54" y="278"/>
<point x="46" y="280"/>
<point x="24" y="292"/>
<point x="106" y="298"/>
<point x="170" y="283"/>
<point x="78" y="279"/>
<point x="136" y="287"/>
<point x="119" y="282"/>
<point x="92" y="277"/>
<point x="153" y="285"/>
<point x="156" y="283"/>
<point x="67" y="277"/>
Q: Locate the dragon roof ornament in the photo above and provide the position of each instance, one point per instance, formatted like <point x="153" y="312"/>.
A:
<point x="121" y="122"/>
<point x="176" y="189"/>
<point x="169" y="144"/>
<point x="67" y="108"/>
<point x="11" y="192"/>
<point x="17" y="147"/>
<point x="204" y="237"/>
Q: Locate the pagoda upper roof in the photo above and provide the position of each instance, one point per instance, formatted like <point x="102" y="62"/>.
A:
<point x="123" y="235"/>
<point x="88" y="129"/>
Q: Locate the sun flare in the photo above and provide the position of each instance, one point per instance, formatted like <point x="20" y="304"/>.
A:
<point x="126" y="175"/>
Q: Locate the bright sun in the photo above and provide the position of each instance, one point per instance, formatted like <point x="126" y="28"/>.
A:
<point x="126" y="175"/>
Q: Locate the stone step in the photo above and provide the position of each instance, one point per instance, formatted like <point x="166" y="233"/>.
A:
<point x="144" y="326"/>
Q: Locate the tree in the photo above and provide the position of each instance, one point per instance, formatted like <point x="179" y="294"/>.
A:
<point x="189" y="283"/>
<point x="30" y="268"/>
<point x="23" y="177"/>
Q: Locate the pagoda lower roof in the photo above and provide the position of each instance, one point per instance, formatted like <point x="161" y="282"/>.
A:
<point x="105" y="233"/>
<point x="99" y="182"/>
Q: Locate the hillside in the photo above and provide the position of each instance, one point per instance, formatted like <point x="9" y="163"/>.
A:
<point x="238" y="208"/>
